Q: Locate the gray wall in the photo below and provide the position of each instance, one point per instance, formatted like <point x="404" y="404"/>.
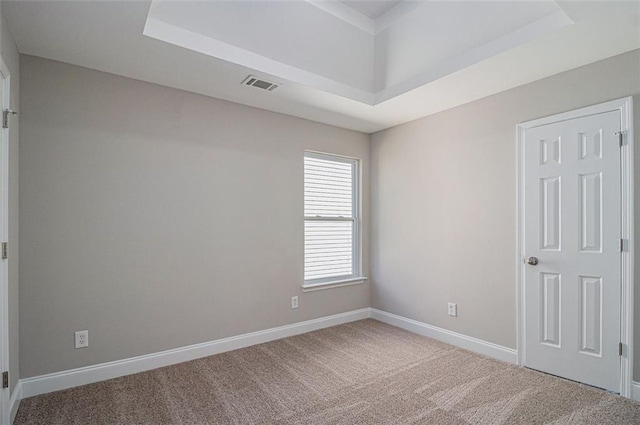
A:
<point x="157" y="218"/>
<point x="443" y="202"/>
<point x="10" y="55"/>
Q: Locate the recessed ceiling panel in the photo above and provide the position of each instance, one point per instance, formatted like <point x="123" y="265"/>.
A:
<point x="439" y="38"/>
<point x="293" y="40"/>
<point x="301" y="42"/>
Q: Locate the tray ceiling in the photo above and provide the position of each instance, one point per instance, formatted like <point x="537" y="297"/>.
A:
<point x="356" y="64"/>
<point x="310" y="44"/>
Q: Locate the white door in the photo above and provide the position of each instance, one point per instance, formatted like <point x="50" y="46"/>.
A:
<point x="572" y="228"/>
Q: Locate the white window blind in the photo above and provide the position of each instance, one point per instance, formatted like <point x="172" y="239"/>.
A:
<point x="331" y="218"/>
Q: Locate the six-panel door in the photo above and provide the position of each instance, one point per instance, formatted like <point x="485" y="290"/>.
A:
<point x="573" y="227"/>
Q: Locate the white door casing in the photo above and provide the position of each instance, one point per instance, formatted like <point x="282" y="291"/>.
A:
<point x="4" y="284"/>
<point x="574" y="196"/>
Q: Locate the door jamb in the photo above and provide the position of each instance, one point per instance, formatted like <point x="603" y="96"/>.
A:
<point x="625" y="106"/>
<point x="5" y="80"/>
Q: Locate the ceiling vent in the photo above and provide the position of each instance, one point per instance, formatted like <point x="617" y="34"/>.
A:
<point x="254" y="81"/>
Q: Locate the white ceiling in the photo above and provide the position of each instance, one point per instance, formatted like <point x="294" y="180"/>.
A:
<point x="371" y="9"/>
<point x="333" y="52"/>
<point x="486" y="54"/>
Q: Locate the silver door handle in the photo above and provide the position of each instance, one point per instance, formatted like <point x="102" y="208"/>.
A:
<point x="532" y="261"/>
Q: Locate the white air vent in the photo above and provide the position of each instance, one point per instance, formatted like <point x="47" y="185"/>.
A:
<point x="254" y="81"/>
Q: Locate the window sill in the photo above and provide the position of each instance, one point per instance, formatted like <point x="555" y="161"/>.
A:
<point x="333" y="284"/>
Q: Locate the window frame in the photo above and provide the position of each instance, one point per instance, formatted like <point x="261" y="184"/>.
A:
<point x="356" y="276"/>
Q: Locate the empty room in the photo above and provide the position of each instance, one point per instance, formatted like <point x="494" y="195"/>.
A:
<point x="319" y="212"/>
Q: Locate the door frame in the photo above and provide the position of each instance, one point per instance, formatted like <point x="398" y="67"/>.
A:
<point x="5" y="80"/>
<point x="625" y="107"/>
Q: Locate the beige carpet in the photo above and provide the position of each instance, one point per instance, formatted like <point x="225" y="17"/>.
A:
<point x="363" y="372"/>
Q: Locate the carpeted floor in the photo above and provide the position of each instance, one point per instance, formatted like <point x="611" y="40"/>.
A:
<point x="364" y="372"/>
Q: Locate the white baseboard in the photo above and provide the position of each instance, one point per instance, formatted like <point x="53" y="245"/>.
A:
<point x="43" y="384"/>
<point x="463" y="341"/>
<point x="14" y="402"/>
<point x="86" y="375"/>
<point x="635" y="390"/>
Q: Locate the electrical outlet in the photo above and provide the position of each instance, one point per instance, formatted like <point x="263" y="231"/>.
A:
<point x="82" y="339"/>
<point x="294" y="302"/>
<point x="453" y="309"/>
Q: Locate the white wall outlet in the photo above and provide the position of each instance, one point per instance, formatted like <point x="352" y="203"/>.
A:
<point x="453" y="309"/>
<point x="294" y="302"/>
<point x="82" y="339"/>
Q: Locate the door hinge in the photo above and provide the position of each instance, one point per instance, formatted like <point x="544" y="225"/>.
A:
<point x="5" y="117"/>
<point x="621" y="245"/>
<point x="620" y="349"/>
<point x="619" y="134"/>
<point x="5" y="379"/>
<point x="5" y="250"/>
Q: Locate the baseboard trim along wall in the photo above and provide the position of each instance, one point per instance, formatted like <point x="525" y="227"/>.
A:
<point x="476" y="345"/>
<point x="635" y="391"/>
<point x="43" y="384"/>
<point x="14" y="402"/>
<point x="86" y="375"/>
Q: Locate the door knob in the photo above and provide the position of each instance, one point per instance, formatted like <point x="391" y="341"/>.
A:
<point x="532" y="261"/>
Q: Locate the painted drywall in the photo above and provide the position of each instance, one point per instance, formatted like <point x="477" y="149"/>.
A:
<point x="11" y="57"/>
<point x="443" y="202"/>
<point x="156" y="218"/>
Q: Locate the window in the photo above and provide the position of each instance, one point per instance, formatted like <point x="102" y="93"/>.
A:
<point x="331" y="224"/>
